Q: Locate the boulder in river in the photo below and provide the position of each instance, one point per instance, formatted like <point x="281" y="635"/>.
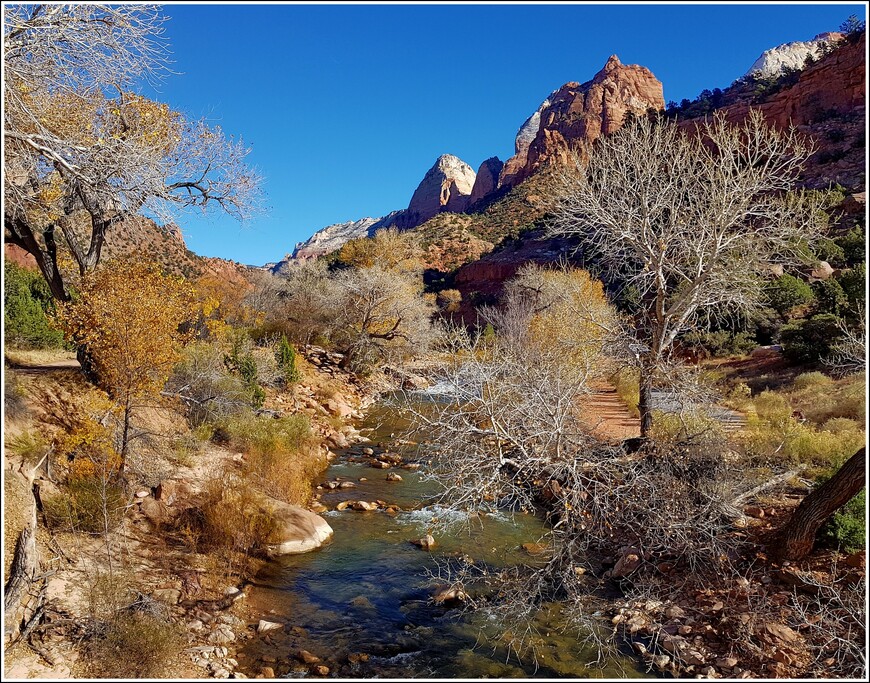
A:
<point x="363" y="505"/>
<point x="392" y="476"/>
<point x="427" y="542"/>
<point x="297" y="530"/>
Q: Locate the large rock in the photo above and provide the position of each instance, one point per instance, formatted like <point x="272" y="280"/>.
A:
<point x="777" y="60"/>
<point x="486" y="181"/>
<point x="577" y="114"/>
<point x="445" y="187"/>
<point x="323" y="241"/>
<point x="298" y="530"/>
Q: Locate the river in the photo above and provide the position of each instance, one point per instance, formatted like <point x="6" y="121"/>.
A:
<point x="369" y="591"/>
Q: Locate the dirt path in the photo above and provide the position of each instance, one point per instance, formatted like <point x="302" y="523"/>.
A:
<point x="607" y="416"/>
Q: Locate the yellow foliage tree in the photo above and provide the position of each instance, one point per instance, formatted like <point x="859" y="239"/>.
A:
<point x="128" y="317"/>
<point x="388" y="248"/>
<point x="569" y="313"/>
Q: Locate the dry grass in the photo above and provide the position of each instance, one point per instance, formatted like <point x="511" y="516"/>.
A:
<point x="627" y="384"/>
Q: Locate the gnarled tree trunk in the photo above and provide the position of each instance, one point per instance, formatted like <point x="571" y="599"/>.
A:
<point x="795" y="540"/>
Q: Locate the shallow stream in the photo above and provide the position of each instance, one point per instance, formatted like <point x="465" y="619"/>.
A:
<point x="369" y="591"/>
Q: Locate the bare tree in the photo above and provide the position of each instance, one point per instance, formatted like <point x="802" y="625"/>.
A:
<point x="83" y="152"/>
<point x="507" y="429"/>
<point x="688" y="220"/>
<point x="850" y="352"/>
<point x="380" y="314"/>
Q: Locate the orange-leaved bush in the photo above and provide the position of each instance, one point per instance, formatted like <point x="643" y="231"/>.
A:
<point x="129" y="318"/>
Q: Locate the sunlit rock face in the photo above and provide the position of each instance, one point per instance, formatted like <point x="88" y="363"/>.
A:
<point x="776" y="60"/>
<point x="577" y="114"/>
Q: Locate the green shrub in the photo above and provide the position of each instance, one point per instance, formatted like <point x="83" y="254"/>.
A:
<point x="786" y="292"/>
<point x="830" y="297"/>
<point x="810" y="340"/>
<point x="853" y="244"/>
<point x="721" y="343"/>
<point x="285" y="356"/>
<point x="846" y="530"/>
<point x="828" y="250"/>
<point x="27" y="305"/>
<point x="854" y="283"/>
<point x="87" y="504"/>
<point x="812" y="380"/>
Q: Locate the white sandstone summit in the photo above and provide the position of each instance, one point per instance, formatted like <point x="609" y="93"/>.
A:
<point x="776" y="60"/>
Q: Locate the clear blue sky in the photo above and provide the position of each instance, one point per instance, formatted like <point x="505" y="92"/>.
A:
<point x="347" y="106"/>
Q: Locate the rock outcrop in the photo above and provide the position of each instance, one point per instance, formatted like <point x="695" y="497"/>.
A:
<point x="446" y="186"/>
<point x="577" y="114"/>
<point x="834" y="85"/>
<point x="486" y="181"/>
<point x="525" y="135"/>
<point x="326" y="240"/>
<point x="776" y="60"/>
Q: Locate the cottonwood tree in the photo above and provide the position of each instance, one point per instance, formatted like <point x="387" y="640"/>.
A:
<point x="797" y="537"/>
<point x="128" y="315"/>
<point x="379" y="315"/>
<point x="83" y="152"/>
<point x="689" y="219"/>
<point x="508" y="430"/>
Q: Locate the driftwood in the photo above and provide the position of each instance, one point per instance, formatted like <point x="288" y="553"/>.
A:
<point x="17" y="589"/>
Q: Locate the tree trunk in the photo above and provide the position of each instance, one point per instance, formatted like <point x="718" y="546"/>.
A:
<point x="644" y="404"/>
<point x="795" y="540"/>
<point x="86" y="360"/>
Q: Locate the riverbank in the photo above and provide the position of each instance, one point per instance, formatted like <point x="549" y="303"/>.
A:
<point x="145" y="562"/>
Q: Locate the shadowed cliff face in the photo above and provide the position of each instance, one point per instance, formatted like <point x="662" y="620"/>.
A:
<point x="577" y="114"/>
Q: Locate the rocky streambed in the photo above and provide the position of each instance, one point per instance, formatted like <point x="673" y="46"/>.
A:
<point x="368" y="604"/>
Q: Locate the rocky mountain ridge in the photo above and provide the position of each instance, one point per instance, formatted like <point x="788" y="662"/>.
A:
<point x="571" y="117"/>
<point x="775" y="61"/>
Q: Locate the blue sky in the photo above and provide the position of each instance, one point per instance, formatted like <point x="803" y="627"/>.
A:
<point x="347" y="106"/>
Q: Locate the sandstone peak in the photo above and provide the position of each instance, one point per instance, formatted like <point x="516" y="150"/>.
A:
<point x="486" y="181"/>
<point x="576" y="114"/>
<point x="446" y="186"/>
<point x="776" y="60"/>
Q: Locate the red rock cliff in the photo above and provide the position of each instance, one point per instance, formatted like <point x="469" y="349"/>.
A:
<point x="577" y="114"/>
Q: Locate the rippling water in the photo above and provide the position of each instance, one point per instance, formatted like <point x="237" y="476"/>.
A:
<point x="369" y="590"/>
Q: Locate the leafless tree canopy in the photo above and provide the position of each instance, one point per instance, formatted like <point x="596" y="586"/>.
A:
<point x="79" y="142"/>
<point x="689" y="220"/>
<point x="508" y="431"/>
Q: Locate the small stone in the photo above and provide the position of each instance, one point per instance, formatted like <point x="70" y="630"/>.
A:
<point x="754" y="511"/>
<point x="661" y="662"/>
<point x="222" y="634"/>
<point x="368" y="451"/>
<point x="321" y="670"/>
<point x="342" y="505"/>
<point x="267" y="672"/>
<point x="425" y="543"/>
<point x="363" y="505"/>
<point x="170" y="596"/>
<point x="195" y="625"/>
<point x="308" y="658"/>
<point x="693" y="658"/>
<point x="392" y="476"/>
<point x="684" y="630"/>
<point x="143" y="494"/>
<point x="726" y="662"/>
<point x="264" y="626"/>
<point x="347" y="485"/>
